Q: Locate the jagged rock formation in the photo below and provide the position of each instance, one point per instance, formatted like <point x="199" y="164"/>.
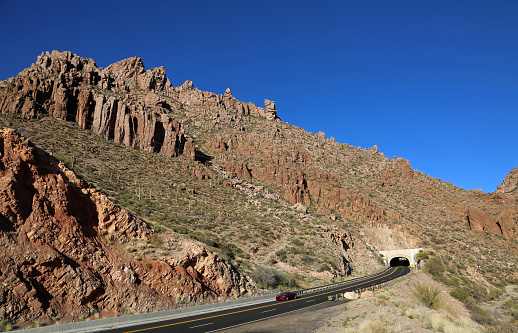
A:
<point x="67" y="87"/>
<point x="60" y="238"/>
<point x="283" y="165"/>
<point x="510" y="183"/>
<point x="122" y="102"/>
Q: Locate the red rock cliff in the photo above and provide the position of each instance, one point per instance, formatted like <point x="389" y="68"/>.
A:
<point x="60" y="247"/>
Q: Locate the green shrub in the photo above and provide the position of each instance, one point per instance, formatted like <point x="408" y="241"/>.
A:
<point x="266" y="277"/>
<point x="461" y="294"/>
<point x="452" y="281"/>
<point x="297" y="242"/>
<point x="282" y="255"/>
<point x="306" y="259"/>
<point x="422" y="256"/>
<point x="429" y="296"/>
<point x="480" y="315"/>
<point x="434" y="267"/>
<point x="323" y="267"/>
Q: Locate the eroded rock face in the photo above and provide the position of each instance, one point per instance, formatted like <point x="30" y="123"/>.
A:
<point x="72" y="88"/>
<point x="345" y="242"/>
<point x="122" y="102"/>
<point x="480" y="222"/>
<point x="510" y="183"/>
<point x="60" y="236"/>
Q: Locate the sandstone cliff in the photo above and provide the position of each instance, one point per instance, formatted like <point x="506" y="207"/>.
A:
<point x="64" y="250"/>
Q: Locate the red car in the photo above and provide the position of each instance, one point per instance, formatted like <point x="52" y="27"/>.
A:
<point x="286" y="296"/>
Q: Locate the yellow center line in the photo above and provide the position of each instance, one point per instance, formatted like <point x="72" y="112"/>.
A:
<point x="259" y="307"/>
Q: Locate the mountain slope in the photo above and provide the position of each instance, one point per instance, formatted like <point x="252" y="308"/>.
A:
<point x="253" y="189"/>
<point x="70" y="249"/>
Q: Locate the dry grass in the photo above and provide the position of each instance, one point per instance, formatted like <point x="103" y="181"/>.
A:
<point x="397" y="309"/>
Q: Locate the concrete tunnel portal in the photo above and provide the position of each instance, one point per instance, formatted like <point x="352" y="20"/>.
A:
<point x="402" y="257"/>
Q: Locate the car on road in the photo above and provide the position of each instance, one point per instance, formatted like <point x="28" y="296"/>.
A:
<point x="286" y="296"/>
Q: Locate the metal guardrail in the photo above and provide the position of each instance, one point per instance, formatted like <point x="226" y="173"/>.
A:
<point x="359" y="291"/>
<point x="337" y="284"/>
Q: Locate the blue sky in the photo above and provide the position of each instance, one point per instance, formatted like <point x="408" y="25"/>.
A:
<point x="435" y="82"/>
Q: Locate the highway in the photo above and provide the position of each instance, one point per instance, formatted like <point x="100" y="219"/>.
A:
<point x="218" y="321"/>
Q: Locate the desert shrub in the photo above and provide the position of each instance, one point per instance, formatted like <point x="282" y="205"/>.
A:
<point x="478" y="292"/>
<point x="156" y="240"/>
<point x="130" y="249"/>
<point x="480" y="315"/>
<point x="411" y="313"/>
<point x="69" y="161"/>
<point x="427" y="295"/>
<point x="181" y="229"/>
<point x="323" y="267"/>
<point x="229" y="250"/>
<point x="266" y="277"/>
<point x="332" y="263"/>
<point x="5" y="325"/>
<point x="297" y="242"/>
<point x="494" y="294"/>
<point x="282" y="255"/>
<point x="306" y="259"/>
<point x="298" y="250"/>
<point x="511" y="304"/>
<point x="461" y="294"/>
<point x="422" y="256"/>
<point x="434" y="267"/>
<point x="502" y="328"/>
<point x="452" y="281"/>
<point x="373" y="326"/>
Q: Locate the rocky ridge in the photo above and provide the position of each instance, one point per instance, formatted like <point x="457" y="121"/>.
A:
<point x="510" y="183"/>
<point x="122" y="102"/>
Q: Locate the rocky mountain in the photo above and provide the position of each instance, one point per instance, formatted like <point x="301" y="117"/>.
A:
<point x="250" y="190"/>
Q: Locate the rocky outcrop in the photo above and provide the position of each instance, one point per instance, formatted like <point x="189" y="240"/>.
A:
<point x="480" y="222"/>
<point x="270" y="109"/>
<point x="345" y="243"/>
<point x="122" y="102"/>
<point x="510" y="183"/>
<point x="72" y="88"/>
<point x="61" y="236"/>
<point x="226" y="107"/>
<point x="281" y="165"/>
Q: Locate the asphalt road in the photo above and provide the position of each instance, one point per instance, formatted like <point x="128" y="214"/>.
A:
<point x="218" y="321"/>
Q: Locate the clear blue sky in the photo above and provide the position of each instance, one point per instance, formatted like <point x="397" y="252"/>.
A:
<point x="435" y="82"/>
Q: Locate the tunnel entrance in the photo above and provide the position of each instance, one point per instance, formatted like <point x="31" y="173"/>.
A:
<point x="399" y="261"/>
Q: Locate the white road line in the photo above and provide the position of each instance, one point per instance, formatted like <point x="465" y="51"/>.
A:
<point x="254" y="321"/>
<point x="268" y="310"/>
<point x="311" y="300"/>
<point x="201" y="325"/>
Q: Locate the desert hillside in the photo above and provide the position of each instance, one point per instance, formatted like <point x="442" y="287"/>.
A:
<point x="117" y="180"/>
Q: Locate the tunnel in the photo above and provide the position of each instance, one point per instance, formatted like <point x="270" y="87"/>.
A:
<point x="399" y="261"/>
